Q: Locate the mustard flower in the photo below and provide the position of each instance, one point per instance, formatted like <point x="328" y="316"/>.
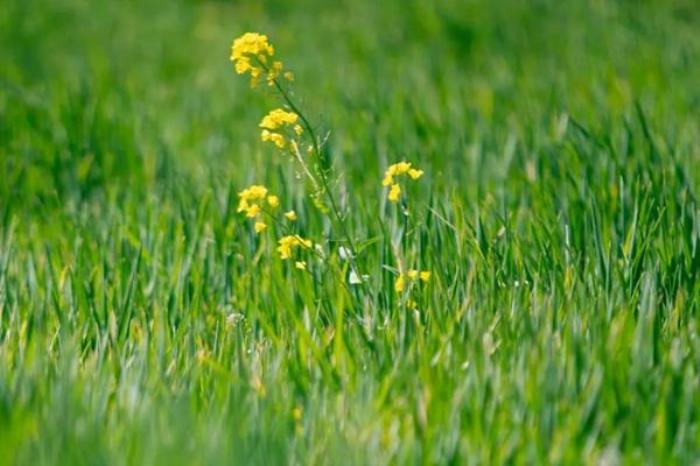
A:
<point x="287" y="244"/>
<point x="253" y="211"/>
<point x="250" y="53"/>
<point x="277" y="118"/>
<point x="291" y="215"/>
<point x="273" y="201"/>
<point x="275" y="138"/>
<point x="400" y="283"/>
<point x="422" y="275"/>
<point x="249" y="198"/>
<point x="274" y="123"/>
<point x="250" y="202"/>
<point x="411" y="276"/>
<point x="396" y="171"/>
<point x="275" y="71"/>
<point x="394" y="193"/>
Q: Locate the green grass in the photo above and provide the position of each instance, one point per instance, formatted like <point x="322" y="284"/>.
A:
<point x="143" y="322"/>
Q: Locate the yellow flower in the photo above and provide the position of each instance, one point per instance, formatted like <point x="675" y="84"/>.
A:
<point x="287" y="244"/>
<point x="276" y="138"/>
<point x="254" y="76"/>
<point x="275" y="122"/>
<point x="412" y="275"/>
<point x="252" y="211"/>
<point x="273" y="201"/>
<point x="242" y="65"/>
<point x="258" y="191"/>
<point x="251" y="198"/>
<point x="400" y="283"/>
<point x="260" y="227"/>
<point x="251" y="44"/>
<point x="400" y="168"/>
<point x="274" y="72"/>
<point x="291" y="215"/>
<point x="395" y="193"/>
<point x="289" y="76"/>
<point x="250" y="53"/>
<point x="278" y="118"/>
<point x="395" y="171"/>
<point x="415" y="174"/>
<point x="253" y="193"/>
<point x="301" y="265"/>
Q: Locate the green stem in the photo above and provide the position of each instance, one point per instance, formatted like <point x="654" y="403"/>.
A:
<point x="321" y="172"/>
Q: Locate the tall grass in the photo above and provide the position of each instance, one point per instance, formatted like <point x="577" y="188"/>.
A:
<point x="142" y="321"/>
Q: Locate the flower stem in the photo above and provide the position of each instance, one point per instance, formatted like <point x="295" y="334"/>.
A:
<point x="322" y="172"/>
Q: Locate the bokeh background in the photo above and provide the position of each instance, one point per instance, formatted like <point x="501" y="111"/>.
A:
<point x="141" y="321"/>
<point x="102" y="94"/>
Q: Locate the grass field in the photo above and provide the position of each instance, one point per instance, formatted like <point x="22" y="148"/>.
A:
<point x="143" y="320"/>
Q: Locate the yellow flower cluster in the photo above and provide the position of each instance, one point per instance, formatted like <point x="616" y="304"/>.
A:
<point x="275" y="122"/>
<point x="287" y="244"/>
<point x="251" y="200"/>
<point x="410" y="276"/>
<point x="250" y="53"/>
<point x="395" y="171"/>
<point x="275" y="71"/>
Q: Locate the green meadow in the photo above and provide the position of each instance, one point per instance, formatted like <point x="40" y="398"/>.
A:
<point x="144" y="321"/>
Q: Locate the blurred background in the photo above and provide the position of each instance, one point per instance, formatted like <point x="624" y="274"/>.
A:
<point x="560" y="142"/>
<point x="100" y="95"/>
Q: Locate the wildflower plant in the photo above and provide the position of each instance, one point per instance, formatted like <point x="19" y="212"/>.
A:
<point x="280" y="127"/>
<point x="255" y="201"/>
<point x="289" y="131"/>
<point x="393" y="175"/>
<point x="287" y="245"/>
<point x="407" y="280"/>
<point x="252" y="54"/>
